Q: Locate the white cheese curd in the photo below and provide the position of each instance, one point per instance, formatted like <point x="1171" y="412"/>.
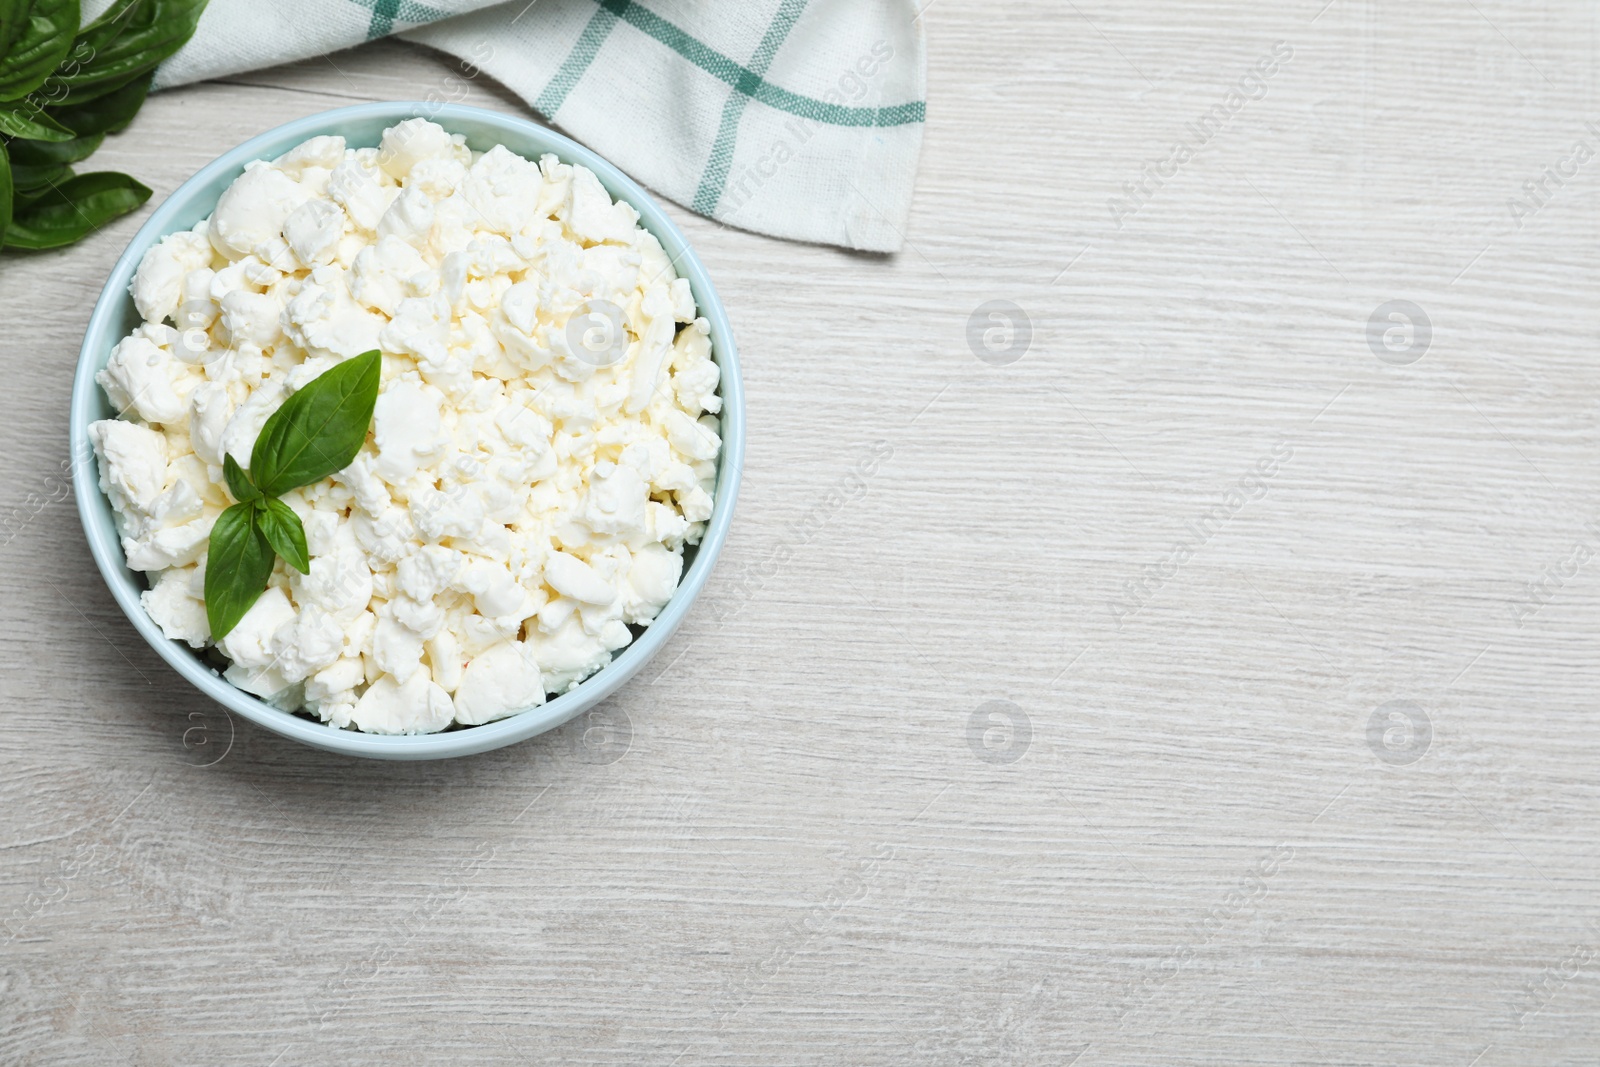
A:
<point x="531" y="476"/>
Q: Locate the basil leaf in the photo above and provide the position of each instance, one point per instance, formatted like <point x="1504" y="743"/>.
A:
<point x="43" y="37"/>
<point x="6" y="189"/>
<point x="31" y="125"/>
<point x="53" y="153"/>
<point x="33" y="182"/>
<point x="319" y="430"/>
<point x="238" y="482"/>
<point x="131" y="38"/>
<point x="284" y="532"/>
<point x="13" y="14"/>
<point x="237" y="568"/>
<point x="110" y="112"/>
<point x="72" y="210"/>
<point x="111" y="24"/>
<point x="57" y="93"/>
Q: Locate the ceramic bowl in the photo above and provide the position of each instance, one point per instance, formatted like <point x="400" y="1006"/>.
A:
<point x="115" y="316"/>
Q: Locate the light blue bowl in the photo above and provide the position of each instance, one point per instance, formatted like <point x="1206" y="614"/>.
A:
<point x="114" y="316"/>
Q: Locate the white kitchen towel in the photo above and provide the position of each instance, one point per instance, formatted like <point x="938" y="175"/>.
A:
<point x="797" y="118"/>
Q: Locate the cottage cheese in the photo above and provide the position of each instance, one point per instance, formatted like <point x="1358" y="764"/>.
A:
<point x="532" y="474"/>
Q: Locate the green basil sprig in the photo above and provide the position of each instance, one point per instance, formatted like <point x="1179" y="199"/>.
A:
<point x="72" y="209"/>
<point x="128" y="41"/>
<point x="62" y="89"/>
<point x="24" y="125"/>
<point x="41" y="36"/>
<point x="109" y="113"/>
<point x="315" y="433"/>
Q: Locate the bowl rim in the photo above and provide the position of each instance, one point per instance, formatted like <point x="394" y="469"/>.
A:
<point x="105" y="544"/>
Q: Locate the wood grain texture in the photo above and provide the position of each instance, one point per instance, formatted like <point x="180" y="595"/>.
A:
<point x="787" y="842"/>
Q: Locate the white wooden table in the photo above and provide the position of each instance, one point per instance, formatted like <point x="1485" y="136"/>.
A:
<point x="1049" y="741"/>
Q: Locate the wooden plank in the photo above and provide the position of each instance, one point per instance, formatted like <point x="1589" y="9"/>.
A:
<point x="1210" y="847"/>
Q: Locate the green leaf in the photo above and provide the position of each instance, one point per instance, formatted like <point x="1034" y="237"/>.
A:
<point x="13" y="15"/>
<point x="284" y="533"/>
<point x="113" y="21"/>
<point x="237" y="568"/>
<point x="238" y="481"/>
<point x="33" y="182"/>
<point x="6" y="189"/>
<point x="56" y="93"/>
<point x="130" y="39"/>
<point x="74" y="209"/>
<point x="53" y="153"/>
<point x="37" y="165"/>
<point x="319" y="430"/>
<point x="109" y="112"/>
<point x="31" y="124"/>
<point x="41" y="41"/>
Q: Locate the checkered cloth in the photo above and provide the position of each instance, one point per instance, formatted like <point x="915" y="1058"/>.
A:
<point x="797" y="118"/>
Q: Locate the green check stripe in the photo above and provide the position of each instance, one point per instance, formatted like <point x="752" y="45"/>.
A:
<point x="745" y="81"/>
<point x="577" y="62"/>
<point x="751" y="84"/>
<point x="385" y="13"/>
<point x="715" y="178"/>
